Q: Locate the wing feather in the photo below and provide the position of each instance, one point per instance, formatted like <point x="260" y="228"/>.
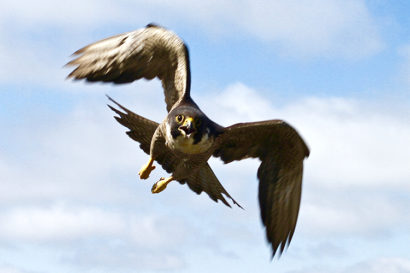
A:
<point x="206" y="180"/>
<point x="144" y="53"/>
<point x="141" y="129"/>
<point x="281" y="151"/>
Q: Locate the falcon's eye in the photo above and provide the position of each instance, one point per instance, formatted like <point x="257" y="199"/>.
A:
<point x="179" y="118"/>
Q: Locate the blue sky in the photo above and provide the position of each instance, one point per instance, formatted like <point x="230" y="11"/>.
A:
<point x="339" y="71"/>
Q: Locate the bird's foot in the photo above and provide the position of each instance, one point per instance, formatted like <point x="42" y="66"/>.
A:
<point x="146" y="169"/>
<point x="161" y="184"/>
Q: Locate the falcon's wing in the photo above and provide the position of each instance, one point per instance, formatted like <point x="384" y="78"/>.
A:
<point x="142" y="131"/>
<point x="281" y="150"/>
<point x="144" y="53"/>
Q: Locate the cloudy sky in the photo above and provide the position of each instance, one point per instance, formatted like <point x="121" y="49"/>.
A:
<point x="338" y="70"/>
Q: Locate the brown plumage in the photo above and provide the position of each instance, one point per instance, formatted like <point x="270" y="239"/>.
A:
<point x="145" y="53"/>
<point x="187" y="138"/>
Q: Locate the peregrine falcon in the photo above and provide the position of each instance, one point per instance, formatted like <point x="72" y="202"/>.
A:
<point x="187" y="138"/>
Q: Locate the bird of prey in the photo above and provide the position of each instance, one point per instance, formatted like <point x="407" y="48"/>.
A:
<point x="187" y="138"/>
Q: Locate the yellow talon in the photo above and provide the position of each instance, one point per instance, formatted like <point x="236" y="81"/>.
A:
<point x="146" y="169"/>
<point x="161" y="184"/>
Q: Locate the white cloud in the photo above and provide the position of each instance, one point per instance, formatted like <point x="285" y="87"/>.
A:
<point x="57" y="224"/>
<point x="80" y="183"/>
<point x="75" y="13"/>
<point x="37" y="39"/>
<point x="64" y="224"/>
<point x="122" y="258"/>
<point x="79" y="153"/>
<point x="358" y="159"/>
<point x="352" y="143"/>
<point x="382" y="265"/>
<point x="357" y="155"/>
<point x="320" y="27"/>
<point x="332" y="28"/>
<point x="241" y="102"/>
<point x="352" y="214"/>
<point x="9" y="269"/>
<point x="368" y="148"/>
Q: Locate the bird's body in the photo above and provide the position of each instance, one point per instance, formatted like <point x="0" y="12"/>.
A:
<point x="187" y="138"/>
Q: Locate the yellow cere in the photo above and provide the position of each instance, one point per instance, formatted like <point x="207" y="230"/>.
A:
<point x="190" y="119"/>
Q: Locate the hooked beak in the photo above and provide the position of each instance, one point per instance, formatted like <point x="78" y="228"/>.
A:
<point x="188" y="127"/>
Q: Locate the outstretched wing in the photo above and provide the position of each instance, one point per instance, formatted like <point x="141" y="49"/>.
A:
<point x="281" y="151"/>
<point x="144" y="53"/>
<point x="142" y="131"/>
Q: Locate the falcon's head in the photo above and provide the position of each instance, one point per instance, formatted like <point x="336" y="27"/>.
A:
<point x="189" y="130"/>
